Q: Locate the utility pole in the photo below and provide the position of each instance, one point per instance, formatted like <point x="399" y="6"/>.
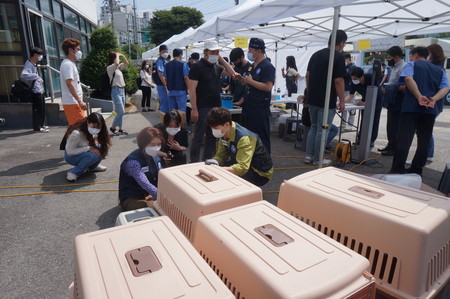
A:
<point x="135" y="23"/>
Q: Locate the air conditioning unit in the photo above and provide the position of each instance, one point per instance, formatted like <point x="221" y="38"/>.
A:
<point x="135" y="216"/>
<point x="403" y="232"/>
<point x="147" y="259"/>
<point x="189" y="191"/>
<point x="259" y="251"/>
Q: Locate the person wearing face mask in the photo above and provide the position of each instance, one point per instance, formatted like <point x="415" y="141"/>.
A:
<point x="138" y="179"/>
<point x="239" y="150"/>
<point x="393" y="93"/>
<point x="176" y="138"/>
<point x="242" y="67"/>
<point x="360" y="81"/>
<point x="255" y="110"/>
<point x="146" y="86"/>
<point x="31" y="77"/>
<point x="71" y="92"/>
<point x="160" y="81"/>
<point x="87" y="144"/>
<point x="204" y="93"/>
<point x="115" y="74"/>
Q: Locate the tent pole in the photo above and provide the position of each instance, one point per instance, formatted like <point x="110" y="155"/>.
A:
<point x="337" y="10"/>
<point x="276" y="63"/>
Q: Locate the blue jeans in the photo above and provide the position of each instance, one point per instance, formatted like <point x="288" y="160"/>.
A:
<point x="118" y="97"/>
<point x="315" y="133"/>
<point x="82" y="162"/>
<point x="332" y="132"/>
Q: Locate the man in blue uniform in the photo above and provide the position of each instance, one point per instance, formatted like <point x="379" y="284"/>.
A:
<point x="160" y="81"/>
<point x="255" y="109"/>
<point x="176" y="75"/>
<point x="426" y="84"/>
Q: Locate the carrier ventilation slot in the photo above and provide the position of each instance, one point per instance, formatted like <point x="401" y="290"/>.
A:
<point x="75" y="287"/>
<point x="180" y="220"/>
<point x="437" y="265"/>
<point x="383" y="266"/>
<point x="223" y="277"/>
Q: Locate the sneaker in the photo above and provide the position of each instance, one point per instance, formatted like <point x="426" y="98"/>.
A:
<point x="408" y="162"/>
<point x="144" y="110"/>
<point x="430" y="159"/>
<point x="71" y="177"/>
<point x="324" y="162"/>
<point x="114" y="131"/>
<point x="99" y="168"/>
<point x="122" y="132"/>
<point x="308" y="160"/>
<point x="45" y="127"/>
<point x="43" y="130"/>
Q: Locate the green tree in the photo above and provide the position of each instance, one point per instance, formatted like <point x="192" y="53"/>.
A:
<point x="104" y="41"/>
<point x="136" y="51"/>
<point x="166" y="23"/>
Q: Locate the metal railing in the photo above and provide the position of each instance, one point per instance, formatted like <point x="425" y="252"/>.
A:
<point x="52" y="91"/>
<point x="50" y="82"/>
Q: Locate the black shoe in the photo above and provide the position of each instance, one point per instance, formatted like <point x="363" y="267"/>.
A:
<point x="114" y="131"/>
<point x="372" y="144"/>
<point x="414" y="170"/>
<point x="383" y="149"/>
<point x="122" y="132"/>
<point x="388" y="153"/>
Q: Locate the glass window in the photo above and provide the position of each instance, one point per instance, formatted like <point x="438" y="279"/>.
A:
<point x="83" y="25"/>
<point x="9" y="29"/>
<point x="59" y="37"/>
<point x="50" y="39"/>
<point x="71" y="18"/>
<point x="57" y="12"/>
<point x="55" y="63"/>
<point x="32" y="3"/>
<point x="46" y="6"/>
<point x="84" y="44"/>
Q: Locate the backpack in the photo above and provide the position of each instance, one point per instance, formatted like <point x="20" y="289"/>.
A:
<point x="22" y="91"/>
<point x="139" y="82"/>
<point x="106" y="83"/>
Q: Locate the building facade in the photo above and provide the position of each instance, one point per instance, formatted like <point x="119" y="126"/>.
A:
<point x="44" y="24"/>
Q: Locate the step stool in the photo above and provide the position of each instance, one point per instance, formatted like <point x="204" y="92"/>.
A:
<point x="302" y="137"/>
<point x="290" y="121"/>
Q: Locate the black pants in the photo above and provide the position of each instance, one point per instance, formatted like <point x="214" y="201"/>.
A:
<point x="393" y="118"/>
<point x="257" y="120"/>
<point x="38" y="111"/>
<point x="202" y="129"/>
<point x="254" y="178"/>
<point x="146" y="96"/>
<point x="409" y="124"/>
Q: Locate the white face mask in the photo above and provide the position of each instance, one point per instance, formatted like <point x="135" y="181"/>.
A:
<point x="93" y="131"/>
<point x="165" y="55"/>
<point x="217" y="133"/>
<point x="213" y="59"/>
<point x="152" y="150"/>
<point x="173" y="131"/>
<point x="356" y="82"/>
<point x="40" y="57"/>
<point x="147" y="66"/>
<point x="78" y="55"/>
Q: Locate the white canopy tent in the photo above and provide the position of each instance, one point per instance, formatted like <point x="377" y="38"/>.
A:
<point x="299" y="23"/>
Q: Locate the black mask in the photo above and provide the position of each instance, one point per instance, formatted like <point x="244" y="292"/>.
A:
<point x="391" y="62"/>
<point x="238" y="64"/>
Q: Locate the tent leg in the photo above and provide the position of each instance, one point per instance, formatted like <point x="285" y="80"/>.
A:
<point x="329" y="82"/>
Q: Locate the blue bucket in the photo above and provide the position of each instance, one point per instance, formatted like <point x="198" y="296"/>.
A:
<point x="227" y="101"/>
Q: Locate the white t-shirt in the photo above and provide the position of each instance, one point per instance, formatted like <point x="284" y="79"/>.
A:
<point x="69" y="70"/>
<point x="146" y="76"/>
<point x="118" y="78"/>
<point x="291" y="72"/>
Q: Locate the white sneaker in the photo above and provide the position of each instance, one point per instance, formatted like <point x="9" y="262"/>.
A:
<point x="99" y="168"/>
<point x="71" y="177"/>
<point x="324" y="162"/>
<point x="308" y="159"/>
<point x="43" y="130"/>
<point x="430" y="159"/>
<point x="408" y="162"/>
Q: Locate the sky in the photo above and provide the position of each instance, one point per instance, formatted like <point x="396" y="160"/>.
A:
<point x="209" y="8"/>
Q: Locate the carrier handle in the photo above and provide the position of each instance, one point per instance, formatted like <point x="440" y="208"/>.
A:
<point x="366" y="192"/>
<point x="206" y="176"/>
<point x="274" y="235"/>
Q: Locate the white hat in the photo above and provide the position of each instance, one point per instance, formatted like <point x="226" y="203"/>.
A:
<point x="212" y="45"/>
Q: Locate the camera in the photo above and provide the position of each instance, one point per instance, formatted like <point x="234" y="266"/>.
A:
<point x="169" y="155"/>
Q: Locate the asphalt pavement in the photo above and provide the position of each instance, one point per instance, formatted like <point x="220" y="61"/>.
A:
<point x="41" y="213"/>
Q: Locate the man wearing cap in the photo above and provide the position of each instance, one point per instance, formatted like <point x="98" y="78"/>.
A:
<point x="243" y="67"/>
<point x="176" y="75"/>
<point x="204" y="93"/>
<point x="255" y="109"/>
<point x="193" y="58"/>
<point x="160" y="81"/>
